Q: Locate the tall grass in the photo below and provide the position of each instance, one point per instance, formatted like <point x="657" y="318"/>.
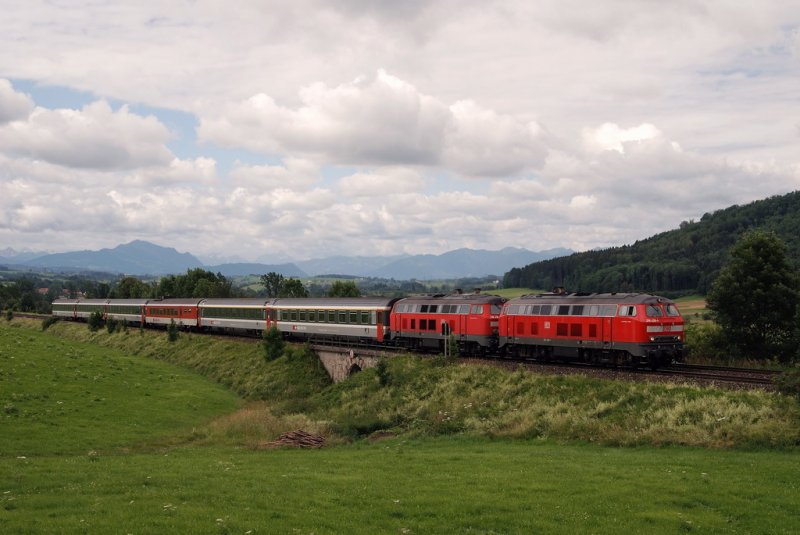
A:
<point x="421" y="397"/>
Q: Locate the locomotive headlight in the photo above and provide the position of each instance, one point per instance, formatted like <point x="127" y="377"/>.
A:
<point x="652" y="338"/>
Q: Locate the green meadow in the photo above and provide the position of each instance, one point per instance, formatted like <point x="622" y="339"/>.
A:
<point x="127" y="433"/>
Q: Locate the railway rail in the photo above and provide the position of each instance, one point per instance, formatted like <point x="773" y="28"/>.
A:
<point x="745" y="377"/>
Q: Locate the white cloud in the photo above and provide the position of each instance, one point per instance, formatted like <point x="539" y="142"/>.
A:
<point x="592" y="125"/>
<point x="13" y="105"/>
<point x="296" y="173"/>
<point x="94" y="137"/>
<point x="378" y="121"/>
<point x="385" y="183"/>
<point x="611" y="137"/>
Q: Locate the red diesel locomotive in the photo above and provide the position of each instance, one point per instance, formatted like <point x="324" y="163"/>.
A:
<point x="427" y="322"/>
<point x="631" y="329"/>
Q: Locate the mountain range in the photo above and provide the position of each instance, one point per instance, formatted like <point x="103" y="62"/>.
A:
<point x="144" y="258"/>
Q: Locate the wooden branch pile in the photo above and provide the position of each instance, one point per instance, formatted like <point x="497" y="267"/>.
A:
<point x="296" y="439"/>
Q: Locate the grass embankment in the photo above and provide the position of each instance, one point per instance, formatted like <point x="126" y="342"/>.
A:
<point x="407" y="485"/>
<point x="424" y="397"/>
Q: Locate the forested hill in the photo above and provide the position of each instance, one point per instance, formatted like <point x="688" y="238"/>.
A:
<point x="681" y="261"/>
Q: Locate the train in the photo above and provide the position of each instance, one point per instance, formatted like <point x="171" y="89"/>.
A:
<point x="627" y="329"/>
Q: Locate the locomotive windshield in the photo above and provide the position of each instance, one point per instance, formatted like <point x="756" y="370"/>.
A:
<point x="672" y="310"/>
<point x="654" y="311"/>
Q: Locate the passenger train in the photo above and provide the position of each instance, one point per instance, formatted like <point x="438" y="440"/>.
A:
<point x="614" y="328"/>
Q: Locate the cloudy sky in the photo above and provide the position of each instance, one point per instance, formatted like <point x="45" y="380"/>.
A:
<point x="297" y="129"/>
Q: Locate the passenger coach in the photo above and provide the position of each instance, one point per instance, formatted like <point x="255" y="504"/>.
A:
<point x="234" y="314"/>
<point x="348" y="319"/>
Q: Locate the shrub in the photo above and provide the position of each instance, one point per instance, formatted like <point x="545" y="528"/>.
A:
<point x="788" y="383"/>
<point x="706" y="342"/>
<point x="273" y="343"/>
<point x="47" y="322"/>
<point x="382" y="369"/>
<point x="111" y="325"/>
<point x="172" y="331"/>
<point x="9" y="315"/>
<point x="95" y="321"/>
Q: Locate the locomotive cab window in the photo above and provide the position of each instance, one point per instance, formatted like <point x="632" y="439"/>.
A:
<point x="653" y="311"/>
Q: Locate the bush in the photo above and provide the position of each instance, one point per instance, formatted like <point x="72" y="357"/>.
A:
<point x="172" y="331"/>
<point x="95" y="321"/>
<point x="47" y="322"/>
<point x="273" y="343"/>
<point x="9" y="315"/>
<point x="111" y="325"/>
<point x="382" y="369"/>
<point x="706" y="341"/>
<point x="788" y="383"/>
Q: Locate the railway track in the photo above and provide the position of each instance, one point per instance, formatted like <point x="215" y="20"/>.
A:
<point x="751" y="377"/>
<point x="726" y="374"/>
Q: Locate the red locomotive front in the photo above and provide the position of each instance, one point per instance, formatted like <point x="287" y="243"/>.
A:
<point x="633" y="329"/>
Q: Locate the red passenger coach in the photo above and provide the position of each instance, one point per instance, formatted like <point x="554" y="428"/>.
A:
<point x="184" y="312"/>
<point x="425" y="322"/>
<point x="629" y="329"/>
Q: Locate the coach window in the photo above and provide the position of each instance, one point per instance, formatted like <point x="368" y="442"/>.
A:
<point x="302" y="315"/>
<point x="353" y="317"/>
<point x="331" y="316"/>
<point x="365" y="317"/>
<point x="342" y="316"/>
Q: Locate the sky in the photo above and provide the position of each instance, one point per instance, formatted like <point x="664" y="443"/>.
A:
<point x="272" y="131"/>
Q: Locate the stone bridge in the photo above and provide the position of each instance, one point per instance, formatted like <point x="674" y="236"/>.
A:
<point x="342" y="362"/>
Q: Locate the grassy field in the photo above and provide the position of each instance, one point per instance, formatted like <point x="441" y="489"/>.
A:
<point x="441" y="485"/>
<point x="183" y="459"/>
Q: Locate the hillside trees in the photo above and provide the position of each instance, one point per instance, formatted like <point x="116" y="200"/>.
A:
<point x="344" y="289"/>
<point x="276" y="285"/>
<point x="681" y="261"/>
<point x="755" y="298"/>
<point x="196" y="283"/>
<point x="131" y="288"/>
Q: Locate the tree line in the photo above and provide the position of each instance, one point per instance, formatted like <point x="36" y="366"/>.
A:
<point x="678" y="262"/>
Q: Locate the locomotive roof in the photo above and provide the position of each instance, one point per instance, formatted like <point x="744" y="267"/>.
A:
<point x="454" y="298"/>
<point x="335" y="302"/>
<point x="577" y="298"/>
